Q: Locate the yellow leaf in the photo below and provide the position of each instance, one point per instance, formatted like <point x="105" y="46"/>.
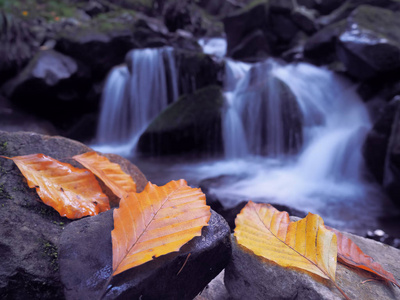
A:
<point x="305" y="244"/>
<point x="110" y="173"/>
<point x="155" y="222"/>
<point x="73" y="192"/>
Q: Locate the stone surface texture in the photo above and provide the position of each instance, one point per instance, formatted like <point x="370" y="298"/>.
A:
<point x="191" y="124"/>
<point x="29" y="229"/>
<point x="250" y="277"/>
<point x="86" y="263"/>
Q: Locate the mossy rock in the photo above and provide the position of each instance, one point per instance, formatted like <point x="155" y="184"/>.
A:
<point x="190" y="125"/>
<point x="197" y="70"/>
<point x="374" y="48"/>
<point x="18" y="45"/>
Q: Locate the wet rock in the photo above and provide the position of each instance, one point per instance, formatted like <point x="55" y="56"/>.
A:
<point x="320" y="48"/>
<point x="18" y="45"/>
<point x="391" y="180"/>
<point x="256" y="97"/>
<point x="29" y="229"/>
<point x="190" y="125"/>
<point x="382" y="150"/>
<point x="51" y="85"/>
<point x="283" y="28"/>
<point x="305" y="19"/>
<point x="281" y="6"/>
<point x="218" y="8"/>
<point x="149" y="33"/>
<point x="243" y="23"/>
<point x="215" y="290"/>
<point x="86" y="262"/>
<point x="324" y="7"/>
<point x="347" y="7"/>
<point x="177" y="15"/>
<point x="13" y="120"/>
<point x="100" y="48"/>
<point x="250" y="277"/>
<point x="197" y="70"/>
<point x="376" y="144"/>
<point x="370" y="44"/>
<point x="253" y="47"/>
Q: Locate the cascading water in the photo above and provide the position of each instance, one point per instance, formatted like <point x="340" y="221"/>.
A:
<point x="292" y="134"/>
<point x="132" y="99"/>
<point x="262" y="117"/>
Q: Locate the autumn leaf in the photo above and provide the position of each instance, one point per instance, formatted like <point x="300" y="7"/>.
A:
<point x="73" y="192"/>
<point x="305" y="244"/>
<point x="110" y="173"/>
<point x="350" y="254"/>
<point x="155" y="222"/>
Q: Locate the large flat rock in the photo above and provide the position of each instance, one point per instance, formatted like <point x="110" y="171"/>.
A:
<point x="86" y="261"/>
<point x="29" y="229"/>
<point x="250" y="277"/>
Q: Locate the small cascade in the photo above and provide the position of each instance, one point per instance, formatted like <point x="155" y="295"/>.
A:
<point x="262" y="115"/>
<point x="134" y="95"/>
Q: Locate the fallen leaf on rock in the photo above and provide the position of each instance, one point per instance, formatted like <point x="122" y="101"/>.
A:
<point x="350" y="254"/>
<point x="305" y="244"/>
<point x="110" y="173"/>
<point x="73" y="192"/>
<point x="155" y="222"/>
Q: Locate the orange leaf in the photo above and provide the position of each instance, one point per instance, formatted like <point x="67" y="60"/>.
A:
<point x="350" y="254"/>
<point x="73" y="192"/>
<point x="305" y="244"/>
<point x="155" y="222"/>
<point x="110" y="173"/>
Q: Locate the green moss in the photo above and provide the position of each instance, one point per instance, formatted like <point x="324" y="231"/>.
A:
<point x="51" y="251"/>
<point x="112" y="20"/>
<point x="188" y="108"/>
<point x="51" y="10"/>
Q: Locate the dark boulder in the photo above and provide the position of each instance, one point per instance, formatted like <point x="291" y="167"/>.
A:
<point x="391" y="181"/>
<point x="13" y="120"/>
<point x="52" y="85"/>
<point x="324" y="7"/>
<point x="18" y="45"/>
<point x="370" y="44"/>
<point x="29" y="229"/>
<point x="376" y="144"/>
<point x="281" y="6"/>
<point x="248" y="276"/>
<point x="254" y="47"/>
<point x="382" y="151"/>
<point x="197" y="70"/>
<point x="243" y="23"/>
<point x="263" y="95"/>
<point x="177" y="15"/>
<point x="305" y="19"/>
<point x="347" y="7"/>
<point x="191" y="124"/>
<point x="283" y="28"/>
<point x="219" y="8"/>
<point x="320" y="48"/>
<point x="86" y="263"/>
<point x="100" y="45"/>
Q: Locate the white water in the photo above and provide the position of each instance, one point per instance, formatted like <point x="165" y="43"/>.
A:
<point x="324" y="176"/>
<point x="131" y="100"/>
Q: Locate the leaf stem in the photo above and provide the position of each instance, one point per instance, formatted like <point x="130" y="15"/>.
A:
<point x="340" y="290"/>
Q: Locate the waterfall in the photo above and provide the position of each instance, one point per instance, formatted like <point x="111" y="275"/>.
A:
<point x="298" y="110"/>
<point x="133" y="96"/>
